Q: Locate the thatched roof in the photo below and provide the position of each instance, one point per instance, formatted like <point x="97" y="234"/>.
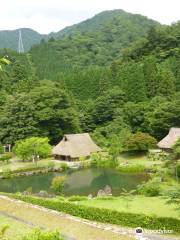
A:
<point x="75" y="146"/>
<point x="170" y="139"/>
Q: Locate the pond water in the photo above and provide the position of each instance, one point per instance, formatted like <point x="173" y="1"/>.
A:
<point x="78" y="182"/>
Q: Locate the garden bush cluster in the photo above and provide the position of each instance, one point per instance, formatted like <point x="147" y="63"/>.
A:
<point x="105" y="215"/>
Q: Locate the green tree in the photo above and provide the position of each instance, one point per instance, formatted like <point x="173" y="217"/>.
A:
<point x="166" y="80"/>
<point x="140" y="142"/>
<point x="32" y="148"/>
<point x="55" y="111"/>
<point x="150" y="74"/>
<point x="160" y="118"/>
<point x="128" y="196"/>
<point x="115" y="149"/>
<point x="106" y="105"/>
<point x="45" y="111"/>
<point x="133" y="82"/>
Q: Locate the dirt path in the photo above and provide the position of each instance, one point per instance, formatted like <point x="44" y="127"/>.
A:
<point x="69" y="226"/>
<point x="73" y="227"/>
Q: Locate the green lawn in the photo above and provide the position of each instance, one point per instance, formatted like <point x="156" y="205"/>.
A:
<point x="139" y="204"/>
<point x="15" y="164"/>
<point x="140" y="159"/>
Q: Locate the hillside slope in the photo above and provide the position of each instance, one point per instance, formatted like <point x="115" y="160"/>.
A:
<point x="97" y="41"/>
<point x="9" y="38"/>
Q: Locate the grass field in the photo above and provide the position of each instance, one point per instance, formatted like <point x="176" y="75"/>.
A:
<point x="139" y="204"/>
<point x="15" y="164"/>
<point x="139" y="159"/>
<point x="48" y="220"/>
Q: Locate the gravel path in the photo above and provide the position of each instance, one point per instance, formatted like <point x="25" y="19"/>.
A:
<point x="105" y="227"/>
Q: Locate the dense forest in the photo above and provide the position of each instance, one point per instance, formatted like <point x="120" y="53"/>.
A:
<point x="112" y="80"/>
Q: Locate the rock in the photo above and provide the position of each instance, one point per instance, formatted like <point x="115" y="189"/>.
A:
<point x="25" y="193"/>
<point x="101" y="193"/>
<point x="57" y="169"/>
<point x="108" y="190"/>
<point x="90" y="196"/>
<point x="43" y="194"/>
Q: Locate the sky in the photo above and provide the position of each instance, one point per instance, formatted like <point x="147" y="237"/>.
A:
<point x="47" y="16"/>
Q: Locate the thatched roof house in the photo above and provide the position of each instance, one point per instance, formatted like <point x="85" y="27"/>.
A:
<point x="74" y="146"/>
<point x="170" y="139"/>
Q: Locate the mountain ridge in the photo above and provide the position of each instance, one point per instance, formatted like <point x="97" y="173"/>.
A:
<point x="9" y="38"/>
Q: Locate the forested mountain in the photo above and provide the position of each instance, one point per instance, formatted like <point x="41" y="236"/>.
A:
<point x="126" y="22"/>
<point x="9" y="38"/>
<point x="97" y="41"/>
<point x="127" y="27"/>
<point x="96" y="83"/>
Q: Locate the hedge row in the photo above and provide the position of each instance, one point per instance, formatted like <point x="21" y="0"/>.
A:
<point x="105" y="215"/>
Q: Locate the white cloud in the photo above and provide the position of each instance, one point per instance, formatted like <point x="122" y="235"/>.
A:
<point x="52" y="15"/>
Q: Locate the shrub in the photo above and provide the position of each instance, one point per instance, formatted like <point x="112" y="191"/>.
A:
<point x="132" y="168"/>
<point x="174" y="196"/>
<point x="6" y="157"/>
<point x="57" y="184"/>
<point x="3" y="230"/>
<point x="37" y="234"/>
<point x="7" y="173"/>
<point x="105" y="215"/>
<point x="105" y="198"/>
<point x="151" y="188"/>
<point x="51" y="164"/>
<point x="64" y="166"/>
<point x="61" y="198"/>
<point x="77" y="198"/>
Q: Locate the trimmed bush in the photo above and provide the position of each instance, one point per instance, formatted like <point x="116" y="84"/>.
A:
<point x="105" y="215"/>
<point x="77" y="198"/>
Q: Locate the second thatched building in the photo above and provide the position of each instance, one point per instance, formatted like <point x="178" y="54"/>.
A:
<point x="168" y="142"/>
<point x="74" y="146"/>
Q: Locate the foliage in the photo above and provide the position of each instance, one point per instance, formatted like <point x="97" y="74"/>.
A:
<point x="176" y="148"/>
<point x="151" y="188"/>
<point x="46" y="110"/>
<point x="135" y="168"/>
<point x="6" y="157"/>
<point x="3" y="230"/>
<point x="105" y="215"/>
<point x="37" y="234"/>
<point x="128" y="195"/>
<point x="64" y="166"/>
<point x="77" y="198"/>
<point x="174" y="197"/>
<point x="3" y="61"/>
<point x="57" y="184"/>
<point x="101" y="80"/>
<point x="32" y="148"/>
<point x="140" y="142"/>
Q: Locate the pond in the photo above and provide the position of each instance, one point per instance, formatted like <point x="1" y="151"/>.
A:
<point x="78" y="182"/>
